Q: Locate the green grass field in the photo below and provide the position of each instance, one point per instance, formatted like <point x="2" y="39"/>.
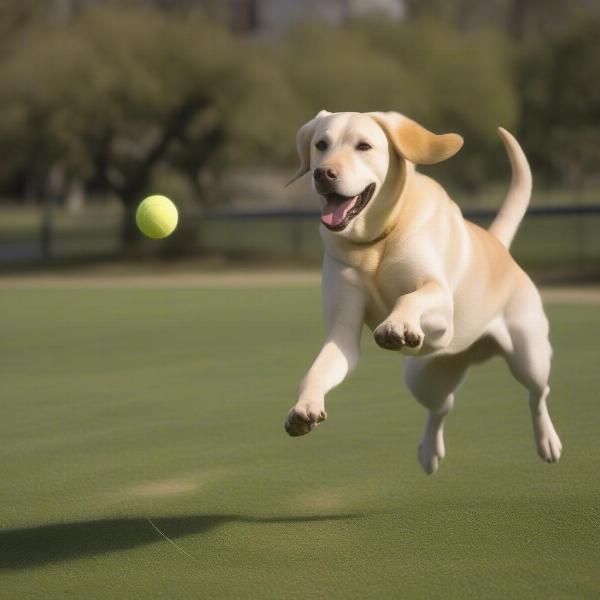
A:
<point x="123" y="405"/>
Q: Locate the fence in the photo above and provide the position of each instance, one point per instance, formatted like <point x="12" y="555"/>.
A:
<point x="554" y="243"/>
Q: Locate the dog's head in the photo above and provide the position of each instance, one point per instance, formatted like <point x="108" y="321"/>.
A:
<point x="358" y="165"/>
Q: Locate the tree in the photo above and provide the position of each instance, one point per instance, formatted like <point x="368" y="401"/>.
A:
<point x="466" y="83"/>
<point x="561" y="103"/>
<point x="427" y="70"/>
<point x="520" y="19"/>
<point x="110" y="95"/>
<point x="341" y="69"/>
<point x="17" y="16"/>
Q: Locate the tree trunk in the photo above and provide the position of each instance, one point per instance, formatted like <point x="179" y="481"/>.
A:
<point x="131" y="192"/>
<point x="75" y="197"/>
<point x="46" y="229"/>
<point x="131" y="238"/>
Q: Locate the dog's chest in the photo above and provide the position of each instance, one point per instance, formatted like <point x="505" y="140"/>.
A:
<point x="396" y="274"/>
<point x="395" y="278"/>
<point x="387" y="270"/>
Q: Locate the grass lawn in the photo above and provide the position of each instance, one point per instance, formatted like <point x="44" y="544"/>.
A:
<point x="120" y="406"/>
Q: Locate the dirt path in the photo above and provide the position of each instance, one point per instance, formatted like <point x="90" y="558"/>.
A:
<point x="572" y="294"/>
<point x="161" y="280"/>
<point x="229" y="278"/>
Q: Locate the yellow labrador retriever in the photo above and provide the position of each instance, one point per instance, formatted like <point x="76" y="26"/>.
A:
<point x="400" y="257"/>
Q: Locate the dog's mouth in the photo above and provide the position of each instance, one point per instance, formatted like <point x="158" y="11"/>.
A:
<point x="340" y="210"/>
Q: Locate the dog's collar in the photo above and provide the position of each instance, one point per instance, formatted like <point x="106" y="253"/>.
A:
<point x="376" y="240"/>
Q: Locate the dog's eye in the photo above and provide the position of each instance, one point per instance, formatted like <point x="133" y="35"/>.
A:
<point x="321" y="145"/>
<point x="363" y="146"/>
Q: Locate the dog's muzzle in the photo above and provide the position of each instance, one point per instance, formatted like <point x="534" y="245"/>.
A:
<point x="340" y="210"/>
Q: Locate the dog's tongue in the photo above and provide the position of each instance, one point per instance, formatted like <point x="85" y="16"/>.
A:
<point x="335" y="211"/>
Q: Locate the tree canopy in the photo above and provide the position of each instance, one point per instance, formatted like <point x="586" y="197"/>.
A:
<point x="118" y="90"/>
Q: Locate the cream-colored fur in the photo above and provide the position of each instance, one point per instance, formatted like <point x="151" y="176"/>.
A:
<point x="428" y="283"/>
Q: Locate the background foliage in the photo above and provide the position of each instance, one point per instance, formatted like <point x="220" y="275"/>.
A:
<point x="104" y="99"/>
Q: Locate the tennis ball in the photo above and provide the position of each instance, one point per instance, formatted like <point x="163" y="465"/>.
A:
<point x="156" y="217"/>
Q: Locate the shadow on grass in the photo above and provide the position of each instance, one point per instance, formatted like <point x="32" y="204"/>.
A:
<point x="38" y="546"/>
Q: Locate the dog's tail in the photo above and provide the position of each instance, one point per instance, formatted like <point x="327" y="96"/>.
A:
<point x="515" y="204"/>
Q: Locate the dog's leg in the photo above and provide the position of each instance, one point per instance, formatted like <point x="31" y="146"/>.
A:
<point x="425" y="312"/>
<point x="529" y="362"/>
<point x="433" y="382"/>
<point x="344" y="303"/>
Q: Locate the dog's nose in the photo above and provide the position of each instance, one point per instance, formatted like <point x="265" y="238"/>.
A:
<point x="329" y="174"/>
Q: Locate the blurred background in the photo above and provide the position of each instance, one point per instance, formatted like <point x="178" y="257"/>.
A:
<point x="102" y="103"/>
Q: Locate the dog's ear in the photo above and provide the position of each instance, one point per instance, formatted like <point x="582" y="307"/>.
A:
<point x="303" y="138"/>
<point x="415" y="143"/>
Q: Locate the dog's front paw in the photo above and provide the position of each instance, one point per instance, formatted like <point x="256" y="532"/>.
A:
<point x="395" y="337"/>
<point x="302" y="419"/>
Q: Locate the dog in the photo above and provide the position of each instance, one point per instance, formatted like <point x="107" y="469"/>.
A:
<point x="400" y="258"/>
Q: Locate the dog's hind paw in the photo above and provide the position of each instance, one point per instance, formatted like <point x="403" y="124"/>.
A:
<point x="549" y="447"/>
<point x="303" y="419"/>
<point x="430" y="452"/>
